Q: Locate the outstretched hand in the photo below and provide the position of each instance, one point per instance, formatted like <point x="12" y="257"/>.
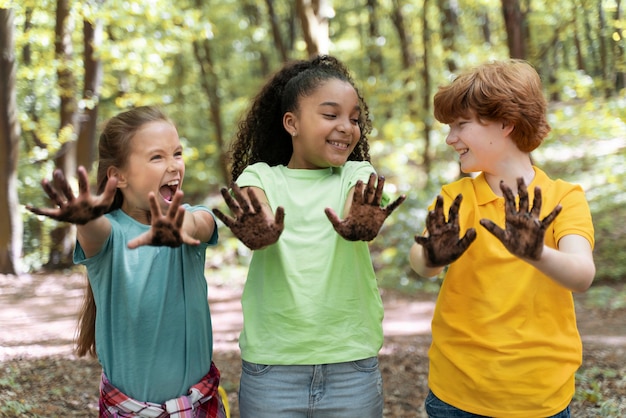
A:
<point x="442" y="246"/>
<point x="250" y="223"/>
<point x="524" y="233"/>
<point x="165" y="230"/>
<point x="366" y="217"/>
<point x="76" y="210"/>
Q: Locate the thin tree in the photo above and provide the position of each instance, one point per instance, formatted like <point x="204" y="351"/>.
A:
<point x="11" y="227"/>
<point x="314" y="17"/>
<point x="62" y="243"/>
<point x="516" y="28"/>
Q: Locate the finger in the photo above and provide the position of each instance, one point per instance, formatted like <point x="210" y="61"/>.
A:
<point x="83" y="181"/>
<point x="172" y="211"/>
<point x="155" y="210"/>
<point x="393" y="205"/>
<point x="371" y="190"/>
<point x="453" y="213"/>
<point x="42" y="211"/>
<point x="421" y="240"/>
<point x="279" y="218"/>
<point x="494" y="229"/>
<point x="537" y="202"/>
<point x="509" y="200"/>
<point x="143" y="239"/>
<point x="332" y="217"/>
<point x="61" y="184"/>
<point x="522" y="191"/>
<point x="254" y="200"/>
<point x="179" y="217"/>
<point x="357" y="196"/>
<point x="52" y="194"/>
<point x="379" y="190"/>
<point x="230" y="202"/>
<point x="241" y="199"/>
<point x="468" y="238"/>
<point x="551" y="216"/>
<point x="110" y="189"/>
<point x="438" y="212"/>
<point x="227" y="220"/>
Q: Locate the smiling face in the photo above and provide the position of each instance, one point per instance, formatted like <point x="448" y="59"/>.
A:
<point x="325" y="126"/>
<point x="481" y="145"/>
<point x="155" y="164"/>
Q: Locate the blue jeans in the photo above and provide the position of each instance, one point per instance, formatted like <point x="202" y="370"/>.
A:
<point x="436" y="408"/>
<point x="343" y="390"/>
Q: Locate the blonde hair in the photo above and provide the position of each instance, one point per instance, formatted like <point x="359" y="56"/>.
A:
<point x="505" y="91"/>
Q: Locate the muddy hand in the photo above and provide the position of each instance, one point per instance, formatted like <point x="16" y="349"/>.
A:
<point x="524" y="233"/>
<point x="442" y="246"/>
<point x="366" y="217"/>
<point x="165" y="230"/>
<point x="249" y="223"/>
<point x="77" y="210"/>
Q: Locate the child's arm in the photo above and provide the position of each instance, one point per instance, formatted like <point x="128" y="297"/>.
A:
<point x="84" y="210"/>
<point x="176" y="227"/>
<point x="571" y="264"/>
<point x="442" y="245"/>
<point x="363" y="215"/>
<point x="253" y="223"/>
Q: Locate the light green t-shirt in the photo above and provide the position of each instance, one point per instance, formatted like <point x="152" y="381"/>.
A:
<point x="153" y="326"/>
<point x="312" y="297"/>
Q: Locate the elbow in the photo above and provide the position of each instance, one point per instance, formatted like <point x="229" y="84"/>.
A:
<point x="586" y="279"/>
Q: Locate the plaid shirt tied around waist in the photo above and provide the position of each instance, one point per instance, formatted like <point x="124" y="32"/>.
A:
<point x="202" y="401"/>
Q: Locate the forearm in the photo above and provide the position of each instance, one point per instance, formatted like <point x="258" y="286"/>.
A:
<point x="199" y="225"/>
<point x="571" y="265"/>
<point x="417" y="260"/>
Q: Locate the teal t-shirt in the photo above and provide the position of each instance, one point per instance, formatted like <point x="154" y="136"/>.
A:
<point x="153" y="327"/>
<point x="312" y="297"/>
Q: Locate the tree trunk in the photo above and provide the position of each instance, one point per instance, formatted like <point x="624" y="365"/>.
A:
<point x="426" y="82"/>
<point x="373" y="49"/>
<point x="279" y="43"/>
<point x="11" y="226"/>
<point x="86" y="146"/>
<point x="63" y="236"/>
<point x="620" y="75"/>
<point x="515" y="23"/>
<point x="314" y="17"/>
<point x="449" y="23"/>
<point x="210" y="83"/>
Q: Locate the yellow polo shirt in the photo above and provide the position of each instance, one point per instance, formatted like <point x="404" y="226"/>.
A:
<point x="505" y="341"/>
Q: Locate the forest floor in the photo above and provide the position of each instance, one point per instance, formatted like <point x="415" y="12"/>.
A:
<point x="39" y="376"/>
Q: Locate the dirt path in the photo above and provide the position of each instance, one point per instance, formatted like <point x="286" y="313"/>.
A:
<point x="38" y="319"/>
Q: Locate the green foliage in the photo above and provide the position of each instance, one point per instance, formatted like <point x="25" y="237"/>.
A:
<point x="147" y="52"/>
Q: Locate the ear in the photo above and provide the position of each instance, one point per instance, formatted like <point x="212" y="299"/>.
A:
<point x="290" y="123"/>
<point x="121" y="179"/>
<point x="507" y="128"/>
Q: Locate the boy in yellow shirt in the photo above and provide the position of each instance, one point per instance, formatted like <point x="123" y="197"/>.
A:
<point x="504" y="335"/>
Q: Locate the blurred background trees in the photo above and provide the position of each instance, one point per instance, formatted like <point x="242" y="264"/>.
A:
<point x="68" y="65"/>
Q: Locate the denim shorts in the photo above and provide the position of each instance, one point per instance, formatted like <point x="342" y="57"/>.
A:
<point x="347" y="390"/>
<point x="436" y="408"/>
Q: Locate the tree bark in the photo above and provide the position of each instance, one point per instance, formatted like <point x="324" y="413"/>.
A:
<point x="86" y="145"/>
<point x="515" y="23"/>
<point x="374" y="51"/>
<point x="11" y="226"/>
<point x="279" y="43"/>
<point x="314" y="17"/>
<point x="63" y="236"/>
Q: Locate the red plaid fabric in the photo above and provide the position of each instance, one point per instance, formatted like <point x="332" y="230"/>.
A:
<point x="202" y="401"/>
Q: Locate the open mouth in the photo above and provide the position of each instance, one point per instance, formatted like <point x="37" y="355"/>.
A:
<point x="168" y="190"/>
<point x="341" y="145"/>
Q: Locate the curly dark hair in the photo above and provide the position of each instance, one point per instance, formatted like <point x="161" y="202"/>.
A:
<point x="261" y="136"/>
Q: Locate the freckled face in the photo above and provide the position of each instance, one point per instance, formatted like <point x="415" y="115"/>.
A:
<point x="155" y="164"/>
<point x="326" y="124"/>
